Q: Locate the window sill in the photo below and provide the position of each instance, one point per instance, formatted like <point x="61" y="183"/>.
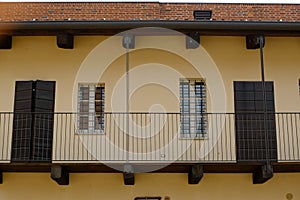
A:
<point x="90" y="132"/>
<point x="193" y="136"/>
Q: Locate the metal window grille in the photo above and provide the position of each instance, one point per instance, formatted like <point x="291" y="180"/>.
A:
<point x="193" y="107"/>
<point x="91" y="108"/>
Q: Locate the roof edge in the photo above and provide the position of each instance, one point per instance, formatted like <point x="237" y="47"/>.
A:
<point x="113" y="27"/>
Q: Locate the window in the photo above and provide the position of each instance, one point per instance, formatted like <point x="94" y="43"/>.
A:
<point x="91" y="108"/>
<point x="193" y="119"/>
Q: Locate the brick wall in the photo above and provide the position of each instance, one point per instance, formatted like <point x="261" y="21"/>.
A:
<point x="145" y="11"/>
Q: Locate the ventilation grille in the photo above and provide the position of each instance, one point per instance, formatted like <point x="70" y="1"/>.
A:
<point x="202" y="14"/>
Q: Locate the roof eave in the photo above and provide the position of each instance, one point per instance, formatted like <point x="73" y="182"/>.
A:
<point x="268" y="28"/>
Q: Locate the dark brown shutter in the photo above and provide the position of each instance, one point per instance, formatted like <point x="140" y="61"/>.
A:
<point x="33" y="121"/>
<point x="43" y="121"/>
<point x="22" y="123"/>
<point x="250" y="124"/>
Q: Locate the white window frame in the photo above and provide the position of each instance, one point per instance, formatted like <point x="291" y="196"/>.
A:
<point x="191" y="107"/>
<point x="91" y="109"/>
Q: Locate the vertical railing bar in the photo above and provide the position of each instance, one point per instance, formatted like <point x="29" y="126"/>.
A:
<point x="5" y="134"/>
<point x="296" y="127"/>
<point x="220" y="137"/>
<point x="54" y="156"/>
<point x="150" y="138"/>
<point x="216" y="136"/>
<point x="227" y="137"/>
<point x="224" y="137"/>
<point x="160" y="137"/>
<point x="2" y="125"/>
<point x="278" y="134"/>
<point x="114" y="136"/>
<point x="138" y="152"/>
<point x="282" y="129"/>
<point x="60" y="140"/>
<point x="287" y="131"/>
<point x="73" y="132"/>
<point x="241" y="153"/>
<point x="154" y="137"/>
<point x="177" y="118"/>
<point x="3" y="131"/>
<point x="292" y="132"/>
<point x="65" y="139"/>
<point x="108" y="135"/>
<point x="145" y="135"/>
<point x="69" y="136"/>
<point x="257" y="137"/>
<point x="119" y="137"/>
<point x="172" y="117"/>
<point x="230" y="139"/>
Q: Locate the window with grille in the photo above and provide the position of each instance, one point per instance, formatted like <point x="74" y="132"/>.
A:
<point x="193" y="119"/>
<point x="91" y="108"/>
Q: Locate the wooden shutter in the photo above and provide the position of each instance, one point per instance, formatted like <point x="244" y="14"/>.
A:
<point x="33" y="121"/>
<point x="43" y="121"/>
<point x="22" y="122"/>
<point x="250" y="124"/>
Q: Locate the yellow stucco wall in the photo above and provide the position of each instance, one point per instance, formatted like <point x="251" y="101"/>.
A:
<point x="34" y="58"/>
<point x="110" y="186"/>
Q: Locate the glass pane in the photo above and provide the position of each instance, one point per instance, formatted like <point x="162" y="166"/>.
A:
<point x="84" y="93"/>
<point x="83" y="122"/>
<point x="99" y="107"/>
<point x="84" y="107"/>
<point x="99" y="93"/>
<point x="99" y="122"/>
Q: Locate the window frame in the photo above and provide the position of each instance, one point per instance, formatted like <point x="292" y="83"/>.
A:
<point x="199" y="102"/>
<point x="91" y="112"/>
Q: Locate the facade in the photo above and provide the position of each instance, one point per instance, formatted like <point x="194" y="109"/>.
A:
<point x="172" y="101"/>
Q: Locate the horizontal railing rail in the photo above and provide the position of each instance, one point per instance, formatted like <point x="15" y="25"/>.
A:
<point x="149" y="137"/>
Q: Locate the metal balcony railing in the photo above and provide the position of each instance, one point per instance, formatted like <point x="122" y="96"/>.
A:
<point x="148" y="137"/>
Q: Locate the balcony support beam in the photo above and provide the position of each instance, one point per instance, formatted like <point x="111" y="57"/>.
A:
<point x="60" y="175"/>
<point x="65" y="40"/>
<point x="128" y="175"/>
<point x="262" y="174"/>
<point x="5" y="41"/>
<point x="195" y="174"/>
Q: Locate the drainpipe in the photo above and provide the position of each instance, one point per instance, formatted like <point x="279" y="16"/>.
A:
<point x="261" y="38"/>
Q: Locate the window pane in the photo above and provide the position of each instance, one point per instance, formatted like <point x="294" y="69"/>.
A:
<point x="84" y="107"/>
<point x="83" y="122"/>
<point x="99" y="122"/>
<point x="84" y="93"/>
<point x="99" y="93"/>
<point x="99" y="107"/>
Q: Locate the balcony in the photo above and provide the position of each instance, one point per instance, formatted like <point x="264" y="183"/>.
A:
<point x="34" y="141"/>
